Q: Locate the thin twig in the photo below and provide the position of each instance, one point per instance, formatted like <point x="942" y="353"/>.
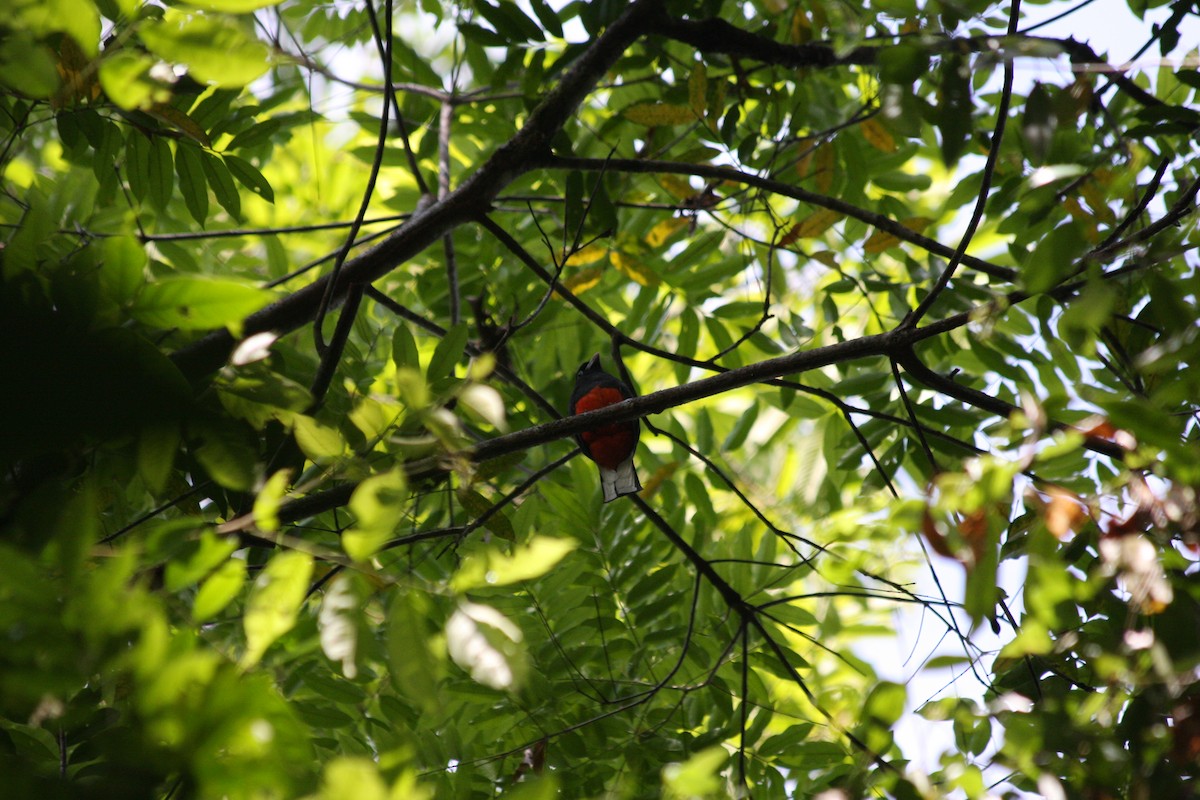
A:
<point x="989" y="169"/>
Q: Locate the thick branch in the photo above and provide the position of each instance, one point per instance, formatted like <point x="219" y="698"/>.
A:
<point x="973" y="397"/>
<point x="472" y="198"/>
<point x="714" y="35"/>
<point x="880" y="221"/>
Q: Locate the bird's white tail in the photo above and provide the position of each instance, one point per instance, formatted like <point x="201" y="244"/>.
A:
<point x="620" y="481"/>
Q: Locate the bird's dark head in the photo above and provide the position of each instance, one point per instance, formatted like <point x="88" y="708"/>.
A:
<point x="591" y="365"/>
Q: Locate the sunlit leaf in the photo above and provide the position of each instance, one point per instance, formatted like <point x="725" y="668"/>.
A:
<point x="213" y="48"/>
<point x="878" y="135"/>
<point x="377" y="506"/>
<point x="338" y="621"/>
<point x="268" y="500"/>
<point x="814" y="224"/>
<point x="529" y="560"/>
<point x="274" y="602"/>
<point x="488" y="646"/>
<point x="219" y="590"/>
<point x="196" y="303"/>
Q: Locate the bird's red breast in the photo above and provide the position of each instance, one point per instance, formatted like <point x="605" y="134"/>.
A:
<point x="608" y="445"/>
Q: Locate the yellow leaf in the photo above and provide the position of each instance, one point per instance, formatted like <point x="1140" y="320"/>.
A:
<point x="1074" y="208"/>
<point x="664" y="230"/>
<point x="916" y="224"/>
<point x="792" y="235"/>
<point x="816" y="223"/>
<point x="677" y="186"/>
<point x="654" y="114"/>
<point x="79" y="81"/>
<point x="1065" y="514"/>
<point x="879" y="241"/>
<point x="801" y="28"/>
<point x="593" y="252"/>
<point x="697" y="89"/>
<point x="583" y="280"/>
<point x="882" y="240"/>
<point x="804" y="164"/>
<point x="634" y="269"/>
<point x="1093" y="193"/>
<point x="826" y="257"/>
<point x="660" y="475"/>
<point x="824" y="164"/>
<point x="877" y="135"/>
<point x="1086" y="221"/>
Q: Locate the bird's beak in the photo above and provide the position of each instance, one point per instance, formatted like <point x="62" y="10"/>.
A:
<point x="594" y="363"/>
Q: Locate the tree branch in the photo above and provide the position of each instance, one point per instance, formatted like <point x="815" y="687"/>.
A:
<point x="430" y="223"/>
<point x="880" y="221"/>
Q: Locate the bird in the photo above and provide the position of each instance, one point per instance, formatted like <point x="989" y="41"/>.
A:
<point x="610" y="446"/>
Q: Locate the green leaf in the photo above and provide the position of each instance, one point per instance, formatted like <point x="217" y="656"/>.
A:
<point x="902" y="64"/>
<point x="227" y="457"/>
<point x="413" y="666"/>
<point x="125" y="78"/>
<point x="181" y="122"/>
<point x="655" y="114"/>
<point x="214" y="48"/>
<point x="255" y="135"/>
<point x="378" y="506"/>
<point x="509" y="21"/>
<point x="158" y="442"/>
<point x="221" y="181"/>
<point x="573" y="198"/>
<point x="741" y="429"/>
<point x="233" y="6"/>
<point x="1053" y="258"/>
<point x="198" y="559"/>
<point x="122" y="271"/>
<point x="274" y="602"/>
<point x="28" y="65"/>
<point x="547" y="16"/>
<point x="219" y="590"/>
<point x="250" y="177"/>
<point x="482" y="35"/>
<point x="320" y="443"/>
<point x="104" y="163"/>
<point x="404" y="348"/>
<point x="189" y="167"/>
<point x="448" y="353"/>
<point x="885" y="703"/>
<point x="698" y="776"/>
<point x="268" y="500"/>
<point x="356" y="777"/>
<point x="258" y="395"/>
<point x="485" y="403"/>
<point x="954" y="111"/>
<point x="491" y="567"/>
<point x="1039" y="123"/>
<point x="198" y="303"/>
<point x="137" y="164"/>
<point x="160" y="173"/>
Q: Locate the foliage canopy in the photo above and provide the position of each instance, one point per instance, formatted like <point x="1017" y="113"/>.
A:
<point x="291" y="295"/>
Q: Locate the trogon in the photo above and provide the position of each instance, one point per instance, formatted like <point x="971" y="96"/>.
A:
<point x="610" y="446"/>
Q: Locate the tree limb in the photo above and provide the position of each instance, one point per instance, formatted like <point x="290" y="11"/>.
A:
<point x="430" y="223"/>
